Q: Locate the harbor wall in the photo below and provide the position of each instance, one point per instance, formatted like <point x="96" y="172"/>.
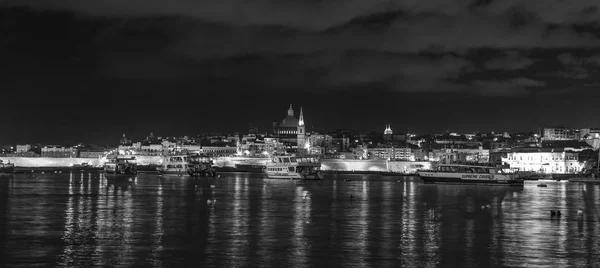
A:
<point x="226" y="161"/>
<point x="67" y="162"/>
<point x="327" y="164"/>
<point x="373" y="165"/>
<point x="50" y="162"/>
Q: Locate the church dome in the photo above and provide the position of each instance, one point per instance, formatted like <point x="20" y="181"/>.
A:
<point x="289" y="121"/>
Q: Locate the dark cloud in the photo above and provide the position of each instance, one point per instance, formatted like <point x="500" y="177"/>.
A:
<point x="516" y="86"/>
<point x="513" y="60"/>
<point x="404" y="46"/>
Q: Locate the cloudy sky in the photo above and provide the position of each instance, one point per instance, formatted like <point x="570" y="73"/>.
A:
<point x="95" y="69"/>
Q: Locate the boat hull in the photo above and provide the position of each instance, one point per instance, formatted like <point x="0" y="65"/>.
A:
<point x="584" y="180"/>
<point x="249" y="168"/>
<point x="7" y="170"/>
<point x="294" y="176"/>
<point x="446" y="180"/>
<point x="171" y="171"/>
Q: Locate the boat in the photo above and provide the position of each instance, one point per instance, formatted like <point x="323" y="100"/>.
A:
<point x="173" y="164"/>
<point x="295" y="168"/>
<point x="121" y="165"/>
<point x="252" y="168"/>
<point x="190" y="164"/>
<point x="588" y="177"/>
<point x="6" y="167"/>
<point x="469" y="174"/>
<point x="200" y="165"/>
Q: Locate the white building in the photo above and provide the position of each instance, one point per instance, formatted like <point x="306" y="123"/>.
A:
<point x="545" y="160"/>
<point x="560" y="133"/>
<point x="399" y="153"/>
<point x="23" y="148"/>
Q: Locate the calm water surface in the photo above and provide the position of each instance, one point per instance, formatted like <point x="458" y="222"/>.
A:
<point x="370" y="221"/>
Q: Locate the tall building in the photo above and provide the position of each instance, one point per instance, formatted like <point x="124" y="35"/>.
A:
<point x="388" y="130"/>
<point x="387" y="133"/>
<point x="301" y="139"/>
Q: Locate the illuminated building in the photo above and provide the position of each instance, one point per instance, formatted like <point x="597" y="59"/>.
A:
<point x="392" y="153"/>
<point x="544" y="160"/>
<point x="218" y="151"/>
<point x="59" y="151"/>
<point x="560" y="133"/>
<point x="23" y="148"/>
<point x="387" y="133"/>
<point x="291" y="131"/>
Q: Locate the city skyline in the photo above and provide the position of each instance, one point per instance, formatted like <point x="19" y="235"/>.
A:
<point x="104" y="131"/>
<point x="81" y="71"/>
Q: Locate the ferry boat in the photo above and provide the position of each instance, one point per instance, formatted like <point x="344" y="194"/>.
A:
<point x="173" y="164"/>
<point x="121" y="165"/>
<point x="192" y="164"/>
<point x="469" y="174"/>
<point x="252" y="168"/>
<point x="295" y="168"/>
<point x="199" y="165"/>
<point x="6" y="167"/>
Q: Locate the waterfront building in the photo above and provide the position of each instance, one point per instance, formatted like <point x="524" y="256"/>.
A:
<point x="322" y="140"/>
<point x="392" y="153"/>
<point x="316" y="150"/>
<point x="545" y="160"/>
<point x="470" y="155"/>
<point x="261" y="147"/>
<point x="559" y="133"/>
<point x="218" y="151"/>
<point x="23" y="148"/>
<point x="151" y="150"/>
<point x="92" y="154"/>
<point x="57" y="151"/>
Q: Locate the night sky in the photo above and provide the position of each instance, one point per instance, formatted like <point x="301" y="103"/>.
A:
<point x="88" y="70"/>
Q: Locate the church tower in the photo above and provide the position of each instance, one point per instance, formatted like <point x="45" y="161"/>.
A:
<point x="291" y="111"/>
<point x="301" y="132"/>
<point x="387" y="133"/>
<point x="388" y="130"/>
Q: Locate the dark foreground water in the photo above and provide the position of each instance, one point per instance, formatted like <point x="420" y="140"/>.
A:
<point x="389" y="222"/>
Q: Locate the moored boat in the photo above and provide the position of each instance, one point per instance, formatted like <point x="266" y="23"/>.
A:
<point x="6" y="167"/>
<point x="469" y="174"/>
<point x="173" y="164"/>
<point x="190" y="164"/>
<point x="199" y="165"/>
<point x="295" y="168"/>
<point x="587" y="177"/>
<point x="121" y="165"/>
<point x="252" y="168"/>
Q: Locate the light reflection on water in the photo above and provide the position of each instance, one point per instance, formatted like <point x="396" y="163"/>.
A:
<point x="88" y="219"/>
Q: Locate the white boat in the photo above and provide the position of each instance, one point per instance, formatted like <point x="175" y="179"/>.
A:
<point x="469" y="174"/>
<point x="295" y="168"/>
<point x="173" y="164"/>
<point x="6" y="167"/>
<point x="121" y="165"/>
<point x="190" y="164"/>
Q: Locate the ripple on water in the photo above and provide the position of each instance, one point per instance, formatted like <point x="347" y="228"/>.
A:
<point x="368" y="221"/>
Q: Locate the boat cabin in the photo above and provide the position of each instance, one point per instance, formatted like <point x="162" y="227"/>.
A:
<point x="467" y="169"/>
<point x="294" y="160"/>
